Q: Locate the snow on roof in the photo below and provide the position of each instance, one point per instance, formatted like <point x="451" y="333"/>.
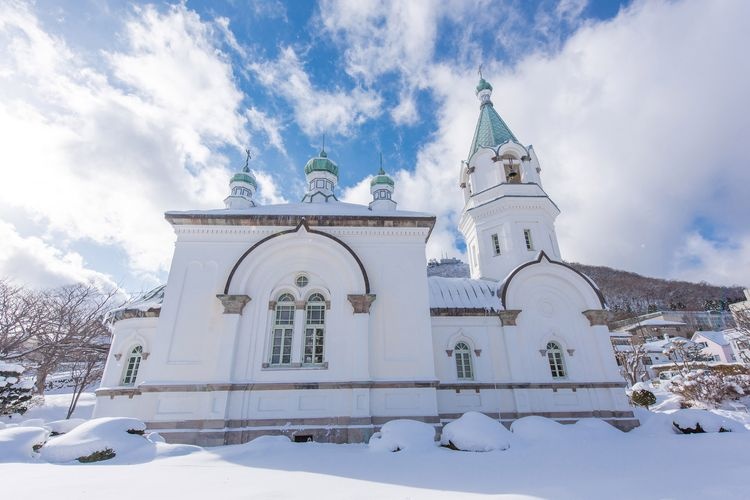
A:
<point x="150" y="300"/>
<point x="715" y="337"/>
<point x="463" y="293"/>
<point x="656" y="322"/>
<point x="332" y="208"/>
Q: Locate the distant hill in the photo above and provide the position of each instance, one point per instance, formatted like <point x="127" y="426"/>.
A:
<point x="630" y="293"/>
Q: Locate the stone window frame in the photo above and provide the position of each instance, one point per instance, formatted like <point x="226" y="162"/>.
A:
<point x="324" y="304"/>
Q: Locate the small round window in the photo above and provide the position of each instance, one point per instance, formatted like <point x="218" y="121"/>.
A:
<point x="302" y="281"/>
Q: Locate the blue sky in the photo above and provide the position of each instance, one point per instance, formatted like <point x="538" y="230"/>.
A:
<point x="114" y="112"/>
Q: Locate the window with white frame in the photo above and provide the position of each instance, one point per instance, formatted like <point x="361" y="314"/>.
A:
<point x="555" y="359"/>
<point x="462" y="353"/>
<point x="132" y="365"/>
<point x="527" y="239"/>
<point x="320" y="183"/>
<point x="315" y="318"/>
<point x="495" y="244"/>
<point x="283" y="330"/>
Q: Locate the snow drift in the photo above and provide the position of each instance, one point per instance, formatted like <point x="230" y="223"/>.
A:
<point x="19" y="444"/>
<point x="476" y="431"/>
<point x="409" y="435"/>
<point x="101" y="439"/>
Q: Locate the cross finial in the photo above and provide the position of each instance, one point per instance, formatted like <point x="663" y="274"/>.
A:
<point x="247" y="160"/>
<point x="480" y="71"/>
<point x="324" y="142"/>
<point x="381" y="171"/>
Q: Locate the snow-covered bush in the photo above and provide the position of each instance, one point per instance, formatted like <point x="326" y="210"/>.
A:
<point x="20" y="444"/>
<point x="711" y="386"/>
<point x="475" y="431"/>
<point x="58" y="427"/>
<point x="100" y="439"/>
<point x="643" y="397"/>
<point x="693" y="421"/>
<point x="409" y="435"/>
<point x="15" y="391"/>
<point x="536" y="428"/>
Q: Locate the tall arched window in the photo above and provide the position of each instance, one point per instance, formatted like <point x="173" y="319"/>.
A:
<point x="315" y="318"/>
<point x="283" y="331"/>
<point x="555" y="358"/>
<point x="132" y="365"/>
<point x="464" y="370"/>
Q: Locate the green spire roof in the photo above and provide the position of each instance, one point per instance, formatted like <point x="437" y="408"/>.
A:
<point x="382" y="178"/>
<point x="491" y="129"/>
<point x="321" y="163"/>
<point x="483" y="85"/>
<point x="245" y="175"/>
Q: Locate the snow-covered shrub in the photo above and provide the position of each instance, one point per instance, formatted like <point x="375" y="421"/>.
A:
<point x="693" y="421"/>
<point x="409" y="435"/>
<point x="593" y="428"/>
<point x="475" y="431"/>
<point x="99" y="439"/>
<point x="643" y="397"/>
<point x="710" y="386"/>
<point x="536" y="428"/>
<point x="58" y="427"/>
<point x="20" y="444"/>
<point x="15" y="391"/>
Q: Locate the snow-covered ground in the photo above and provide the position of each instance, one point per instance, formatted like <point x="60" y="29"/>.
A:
<point x="545" y="460"/>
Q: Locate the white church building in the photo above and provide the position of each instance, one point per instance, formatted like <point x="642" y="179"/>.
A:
<point x="318" y="320"/>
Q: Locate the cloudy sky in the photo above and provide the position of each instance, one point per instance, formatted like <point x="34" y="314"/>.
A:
<point x="113" y="112"/>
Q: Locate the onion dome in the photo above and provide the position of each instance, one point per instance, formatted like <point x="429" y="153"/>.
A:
<point x="245" y="176"/>
<point x="321" y="163"/>
<point x="382" y="178"/>
<point x="483" y="85"/>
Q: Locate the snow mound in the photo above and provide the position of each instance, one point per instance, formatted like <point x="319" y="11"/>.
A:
<point x="653" y="423"/>
<point x="17" y="443"/>
<point x="121" y="436"/>
<point x="595" y="428"/>
<point x="409" y="435"/>
<point x="535" y="428"/>
<point x="476" y="431"/>
<point x="63" y="426"/>
<point x="155" y="437"/>
<point x="267" y="443"/>
<point x="691" y="420"/>
<point x="32" y="422"/>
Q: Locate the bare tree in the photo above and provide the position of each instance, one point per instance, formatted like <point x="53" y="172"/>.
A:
<point x="684" y="353"/>
<point x="73" y="327"/>
<point x="741" y="314"/>
<point x="21" y="317"/>
<point x="86" y="369"/>
<point x="632" y="361"/>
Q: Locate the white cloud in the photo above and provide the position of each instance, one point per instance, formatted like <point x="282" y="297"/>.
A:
<point x="639" y="123"/>
<point x="270" y="126"/>
<point x="316" y="111"/>
<point x="268" y="193"/>
<point x="35" y="263"/>
<point x="97" y="153"/>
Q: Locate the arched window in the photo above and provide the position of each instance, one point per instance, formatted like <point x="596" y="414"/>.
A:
<point x="464" y="370"/>
<point x="315" y="318"/>
<point x="555" y="358"/>
<point x="283" y="331"/>
<point x="132" y="365"/>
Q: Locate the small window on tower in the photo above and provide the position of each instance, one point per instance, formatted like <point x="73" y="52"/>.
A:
<point x="527" y="237"/>
<point x="496" y="244"/>
<point x="321" y="183"/>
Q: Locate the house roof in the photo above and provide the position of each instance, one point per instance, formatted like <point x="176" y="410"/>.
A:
<point x="463" y="293"/>
<point x="715" y="337"/>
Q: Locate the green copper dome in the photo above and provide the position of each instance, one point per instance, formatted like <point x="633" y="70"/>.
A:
<point x="382" y="178"/>
<point x="321" y="163"/>
<point x="244" y="176"/>
<point x="483" y="85"/>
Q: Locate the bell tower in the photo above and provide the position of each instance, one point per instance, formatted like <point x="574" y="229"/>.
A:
<point x="507" y="217"/>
